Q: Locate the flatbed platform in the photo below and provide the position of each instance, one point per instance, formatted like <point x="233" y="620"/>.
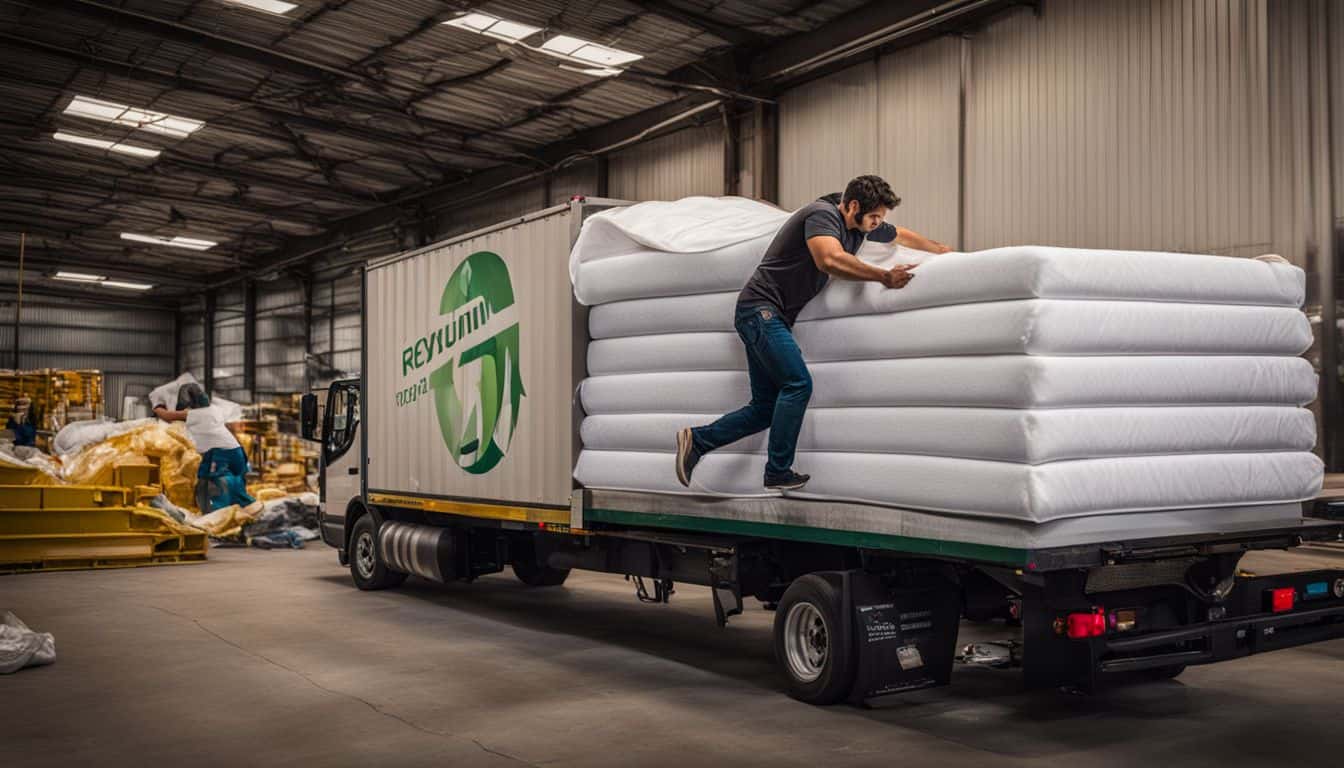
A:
<point x="1073" y="543"/>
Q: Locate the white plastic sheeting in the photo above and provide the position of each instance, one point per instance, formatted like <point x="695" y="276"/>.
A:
<point x="1030" y="383"/>
<point x="22" y="647"/>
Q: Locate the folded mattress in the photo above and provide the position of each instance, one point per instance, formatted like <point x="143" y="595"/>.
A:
<point x="993" y="434"/>
<point x="991" y="381"/>
<point x="1037" y="493"/>
<point x="999" y="274"/>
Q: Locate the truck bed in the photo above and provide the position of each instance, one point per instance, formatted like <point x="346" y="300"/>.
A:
<point x="1072" y="543"/>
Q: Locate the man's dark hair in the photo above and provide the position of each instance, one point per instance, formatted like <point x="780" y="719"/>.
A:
<point x="870" y="192"/>
<point x="190" y="395"/>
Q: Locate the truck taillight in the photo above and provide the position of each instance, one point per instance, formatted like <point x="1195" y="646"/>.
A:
<point x="1281" y="600"/>
<point x="1085" y="625"/>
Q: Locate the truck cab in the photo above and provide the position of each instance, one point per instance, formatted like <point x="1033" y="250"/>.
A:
<point x="332" y="418"/>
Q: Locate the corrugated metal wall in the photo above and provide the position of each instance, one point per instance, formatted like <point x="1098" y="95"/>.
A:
<point x="827" y="134"/>
<point x="688" y="162"/>
<point x="280" y="339"/>
<point x="1121" y="125"/>
<point x="1159" y="124"/>
<point x="917" y="147"/>
<point x="896" y="117"/>
<point x="229" y="348"/>
<point x="335" y="329"/>
<point x="132" y="347"/>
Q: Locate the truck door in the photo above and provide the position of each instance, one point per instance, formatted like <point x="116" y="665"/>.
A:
<point x="341" y="462"/>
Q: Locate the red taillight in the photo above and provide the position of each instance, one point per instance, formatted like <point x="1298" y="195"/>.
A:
<point x="1281" y="600"/>
<point x="1085" y="625"/>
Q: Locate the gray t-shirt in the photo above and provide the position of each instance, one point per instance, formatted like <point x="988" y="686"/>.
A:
<point x="787" y="278"/>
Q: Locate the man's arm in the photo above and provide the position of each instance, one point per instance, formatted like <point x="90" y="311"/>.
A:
<point x="912" y="239"/>
<point x="832" y="258"/>
<point x="163" y="413"/>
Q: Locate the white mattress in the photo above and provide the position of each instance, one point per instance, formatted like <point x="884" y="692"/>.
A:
<point x="708" y="245"/>
<point x="1029" y="437"/>
<point x="1019" y="272"/>
<point x="1026" y="327"/>
<point x="1040" y="493"/>
<point x="997" y="381"/>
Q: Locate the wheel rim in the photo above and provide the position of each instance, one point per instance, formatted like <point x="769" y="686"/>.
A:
<point x="364" y="554"/>
<point x="806" y="642"/>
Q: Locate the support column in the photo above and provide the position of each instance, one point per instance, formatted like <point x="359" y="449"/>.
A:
<point x="208" y="337"/>
<point x="250" y="338"/>
<point x="961" y="141"/>
<point x="602" y="175"/>
<point x="732" y="147"/>
<point x="306" y="285"/>
<point x="765" y="152"/>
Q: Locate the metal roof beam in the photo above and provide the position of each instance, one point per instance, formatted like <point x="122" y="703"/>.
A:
<point x="273" y="110"/>
<point x="202" y="38"/>
<point x="870" y="26"/>
<point x="725" y="32"/>
<point x="43" y="181"/>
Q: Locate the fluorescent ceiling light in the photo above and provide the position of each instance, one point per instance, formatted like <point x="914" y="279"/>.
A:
<point x="493" y="26"/>
<point x="588" y="52"/>
<point x="277" y="7"/>
<point x="594" y="71"/>
<point x="144" y="119"/>
<point x="561" y="46"/>
<point x="111" y="146"/>
<point x="78" y="277"/>
<point x="126" y="285"/>
<point x="176" y="241"/>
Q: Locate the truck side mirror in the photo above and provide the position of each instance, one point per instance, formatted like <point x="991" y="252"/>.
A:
<point x="308" y="416"/>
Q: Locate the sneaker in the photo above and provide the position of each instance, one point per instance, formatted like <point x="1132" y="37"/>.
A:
<point x="687" y="456"/>
<point x="789" y="481"/>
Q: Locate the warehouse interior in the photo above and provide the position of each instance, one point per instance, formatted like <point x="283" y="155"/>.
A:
<point x="196" y="187"/>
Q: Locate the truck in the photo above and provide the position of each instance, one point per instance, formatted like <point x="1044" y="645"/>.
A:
<point x="451" y="457"/>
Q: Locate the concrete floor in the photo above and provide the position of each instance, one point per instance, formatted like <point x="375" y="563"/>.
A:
<point x="273" y="658"/>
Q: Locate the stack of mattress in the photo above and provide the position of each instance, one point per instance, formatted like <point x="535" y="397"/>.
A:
<point x="1028" y="383"/>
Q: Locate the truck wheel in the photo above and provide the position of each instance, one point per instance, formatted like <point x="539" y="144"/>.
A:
<point x="807" y="642"/>
<point x="534" y="574"/>
<point x="365" y="566"/>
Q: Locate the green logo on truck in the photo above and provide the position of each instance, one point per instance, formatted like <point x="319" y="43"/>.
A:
<point x="478" y="390"/>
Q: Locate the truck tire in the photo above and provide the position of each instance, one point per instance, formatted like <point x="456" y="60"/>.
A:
<point x="817" y="668"/>
<point x="366" y="567"/>
<point x="534" y="574"/>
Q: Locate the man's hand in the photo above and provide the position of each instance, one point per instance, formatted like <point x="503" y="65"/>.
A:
<point x="912" y="239"/>
<point x="898" y="276"/>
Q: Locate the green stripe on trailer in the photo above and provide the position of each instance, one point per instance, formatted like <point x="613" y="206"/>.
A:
<point x="908" y="544"/>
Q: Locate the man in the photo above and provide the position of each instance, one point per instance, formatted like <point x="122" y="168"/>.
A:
<point x="21" y="424"/>
<point x="222" y="457"/>
<point x="818" y="241"/>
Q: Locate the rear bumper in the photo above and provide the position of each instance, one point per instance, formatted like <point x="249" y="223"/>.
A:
<point x="1222" y="640"/>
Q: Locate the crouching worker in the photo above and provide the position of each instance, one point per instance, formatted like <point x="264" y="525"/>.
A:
<point x="223" y="461"/>
<point x="20" y="422"/>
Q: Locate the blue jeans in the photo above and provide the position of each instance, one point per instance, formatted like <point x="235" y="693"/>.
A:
<point x="227" y="467"/>
<point x="780" y="389"/>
